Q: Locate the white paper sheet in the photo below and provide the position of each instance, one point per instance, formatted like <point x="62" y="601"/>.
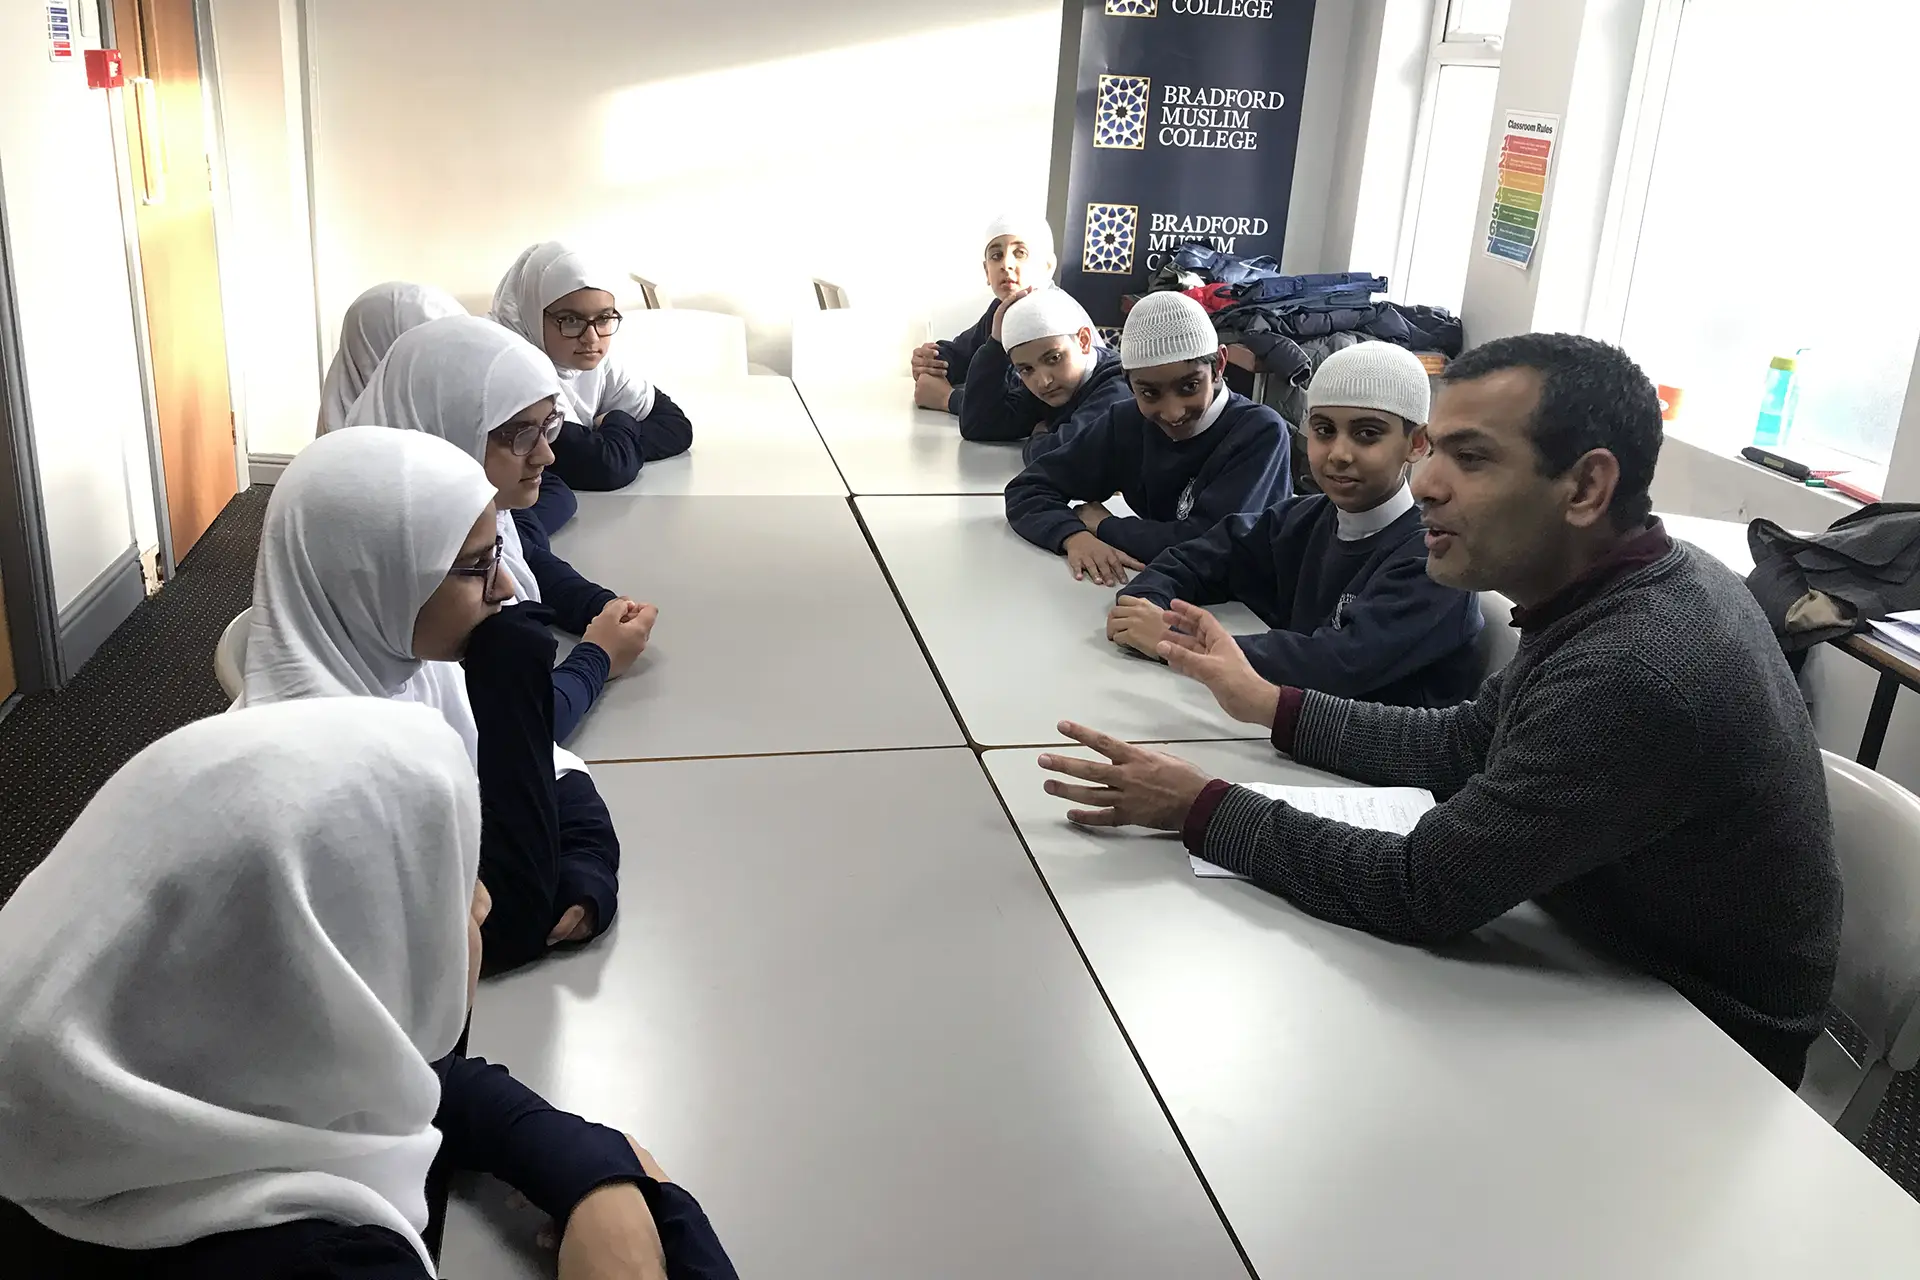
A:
<point x="1394" y="809"/>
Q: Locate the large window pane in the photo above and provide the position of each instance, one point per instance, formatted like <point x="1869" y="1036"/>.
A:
<point x="1445" y="226"/>
<point x="1470" y="19"/>
<point x="1780" y="217"/>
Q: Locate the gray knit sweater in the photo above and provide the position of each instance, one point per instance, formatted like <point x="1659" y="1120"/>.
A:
<point x="1644" y="768"/>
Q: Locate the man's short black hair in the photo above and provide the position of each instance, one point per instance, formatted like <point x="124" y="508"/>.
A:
<point x="1592" y="396"/>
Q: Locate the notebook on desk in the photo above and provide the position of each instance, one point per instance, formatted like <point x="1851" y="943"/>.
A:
<point x="1394" y="809"/>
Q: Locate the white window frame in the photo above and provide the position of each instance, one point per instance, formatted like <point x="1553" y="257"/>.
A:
<point x="1441" y="52"/>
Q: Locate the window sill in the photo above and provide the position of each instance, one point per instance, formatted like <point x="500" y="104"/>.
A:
<point x="1727" y="444"/>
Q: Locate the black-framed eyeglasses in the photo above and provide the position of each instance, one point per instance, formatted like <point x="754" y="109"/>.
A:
<point x="488" y="573"/>
<point x="570" y="325"/>
<point x="520" y="437"/>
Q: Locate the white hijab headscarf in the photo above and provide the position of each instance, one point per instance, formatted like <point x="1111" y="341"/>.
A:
<point x="223" y="989"/>
<point x="538" y="278"/>
<point x="459" y="379"/>
<point x="375" y="319"/>
<point x="359" y="532"/>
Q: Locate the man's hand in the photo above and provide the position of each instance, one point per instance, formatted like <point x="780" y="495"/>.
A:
<point x="611" y="1236"/>
<point x="932" y="391"/>
<point x="1196" y="645"/>
<point x="1091" y="514"/>
<point x="1138" y="624"/>
<point x="623" y="629"/>
<point x="926" y="359"/>
<point x="1089" y="557"/>
<point x="1000" y="312"/>
<point x="576" y="924"/>
<point x="1139" y="788"/>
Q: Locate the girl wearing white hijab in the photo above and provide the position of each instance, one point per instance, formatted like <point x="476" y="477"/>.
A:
<point x="616" y="421"/>
<point x="372" y="322"/>
<point x="481" y="389"/>
<point x="380" y="576"/>
<point x="282" y="1117"/>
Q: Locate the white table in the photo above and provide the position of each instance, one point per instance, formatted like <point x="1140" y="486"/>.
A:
<point x="1018" y="643"/>
<point x="885" y="445"/>
<point x="751" y="436"/>
<point x="777" y="632"/>
<point x="840" y="1009"/>
<point x="1508" y="1107"/>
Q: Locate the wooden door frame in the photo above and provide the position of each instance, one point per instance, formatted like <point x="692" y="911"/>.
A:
<point x="25" y="559"/>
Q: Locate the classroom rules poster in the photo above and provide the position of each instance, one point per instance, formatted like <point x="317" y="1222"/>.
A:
<point x="1186" y="121"/>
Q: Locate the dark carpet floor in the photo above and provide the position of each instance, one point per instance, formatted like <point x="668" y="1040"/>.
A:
<point x="156" y="674"/>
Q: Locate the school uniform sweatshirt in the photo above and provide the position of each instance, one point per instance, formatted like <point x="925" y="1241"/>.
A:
<point x="1178" y="489"/>
<point x="1354" y="616"/>
<point x="597" y="459"/>
<point x="959" y="351"/>
<point x="1644" y="769"/>
<point x="1020" y="415"/>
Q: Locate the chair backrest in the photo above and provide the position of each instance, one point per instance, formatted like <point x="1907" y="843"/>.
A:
<point x="853" y="345"/>
<point x="672" y="343"/>
<point x="230" y="655"/>
<point x="649" y="291"/>
<point x="1498" y="640"/>
<point x="830" y="296"/>
<point x="1876" y="837"/>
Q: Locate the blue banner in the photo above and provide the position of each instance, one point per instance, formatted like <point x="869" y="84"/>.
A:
<point x="1186" y="120"/>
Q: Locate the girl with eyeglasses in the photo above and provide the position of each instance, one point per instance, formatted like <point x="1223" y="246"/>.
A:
<point x="236" y="1054"/>
<point x="615" y="420"/>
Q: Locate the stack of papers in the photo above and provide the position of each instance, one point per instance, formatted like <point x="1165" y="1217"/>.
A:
<point x="1901" y="631"/>
<point x="1394" y="809"/>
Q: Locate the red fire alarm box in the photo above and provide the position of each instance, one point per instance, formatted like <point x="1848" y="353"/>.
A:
<point x="103" y="69"/>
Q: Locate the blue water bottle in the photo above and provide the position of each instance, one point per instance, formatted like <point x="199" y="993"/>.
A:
<point x="1776" y="405"/>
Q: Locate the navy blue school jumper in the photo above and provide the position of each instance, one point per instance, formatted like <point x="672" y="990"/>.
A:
<point x="575" y="603"/>
<point x="959" y="351"/>
<point x="1178" y="489"/>
<point x="1020" y="415"/>
<point x="1355" y="619"/>
<point x="596" y="459"/>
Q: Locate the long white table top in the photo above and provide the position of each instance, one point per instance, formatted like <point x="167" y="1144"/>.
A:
<point x="751" y="436"/>
<point x="1018" y="643"/>
<point x="885" y="445"/>
<point x="1725" y="540"/>
<point x="1507" y="1107"/>
<point x="840" y="1009"/>
<point x="777" y="632"/>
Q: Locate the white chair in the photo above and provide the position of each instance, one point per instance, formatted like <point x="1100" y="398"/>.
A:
<point x="673" y="343"/>
<point x="1876" y="836"/>
<point x="230" y="655"/>
<point x="852" y="345"/>
<point x="1498" y="641"/>
<point x="830" y="296"/>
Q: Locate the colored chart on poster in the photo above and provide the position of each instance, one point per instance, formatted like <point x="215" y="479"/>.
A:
<point x="1527" y="143"/>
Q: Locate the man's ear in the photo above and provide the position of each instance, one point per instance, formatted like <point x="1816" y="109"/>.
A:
<point x="1594" y="475"/>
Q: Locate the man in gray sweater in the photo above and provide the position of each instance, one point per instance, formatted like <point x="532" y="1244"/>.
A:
<point x="1644" y="768"/>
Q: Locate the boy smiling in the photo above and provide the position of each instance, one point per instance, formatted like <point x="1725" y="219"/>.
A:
<point x="1340" y="576"/>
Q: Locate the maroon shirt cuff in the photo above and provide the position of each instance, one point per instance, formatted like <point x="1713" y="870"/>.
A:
<point x="1286" y="715"/>
<point x="1194" y="830"/>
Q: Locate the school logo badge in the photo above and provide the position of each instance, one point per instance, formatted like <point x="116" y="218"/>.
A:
<point x="1120" y="113"/>
<point x="1133" y="8"/>
<point x="1340" y="610"/>
<point x="1111" y="232"/>
<point x="1185" y="508"/>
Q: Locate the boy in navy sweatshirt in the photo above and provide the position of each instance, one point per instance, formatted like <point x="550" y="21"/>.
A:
<point x="1019" y="253"/>
<point x="1341" y="575"/>
<point x="1185" y="452"/>
<point x="1063" y="376"/>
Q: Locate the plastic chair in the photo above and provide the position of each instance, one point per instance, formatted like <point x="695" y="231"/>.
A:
<point x="230" y="655"/>
<point x="853" y="345"/>
<point x="1876" y="830"/>
<point x="1497" y="642"/>
<point x="672" y="343"/>
<point x="830" y="296"/>
<point x="649" y="291"/>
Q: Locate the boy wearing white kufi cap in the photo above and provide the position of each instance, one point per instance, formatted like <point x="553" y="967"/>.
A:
<point x="1018" y="256"/>
<point x="1340" y="576"/>
<point x="1058" y="374"/>
<point x="1184" y="451"/>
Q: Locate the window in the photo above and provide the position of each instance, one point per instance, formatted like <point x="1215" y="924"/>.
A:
<point x="1450" y="150"/>
<point x="1774" y="219"/>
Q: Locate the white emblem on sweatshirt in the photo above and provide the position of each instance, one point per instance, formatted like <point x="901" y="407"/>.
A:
<point x="1185" y="508"/>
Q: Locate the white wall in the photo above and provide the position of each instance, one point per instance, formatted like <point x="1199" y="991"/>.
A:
<point x="266" y="250"/>
<point x="729" y="149"/>
<point x="76" y="307"/>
